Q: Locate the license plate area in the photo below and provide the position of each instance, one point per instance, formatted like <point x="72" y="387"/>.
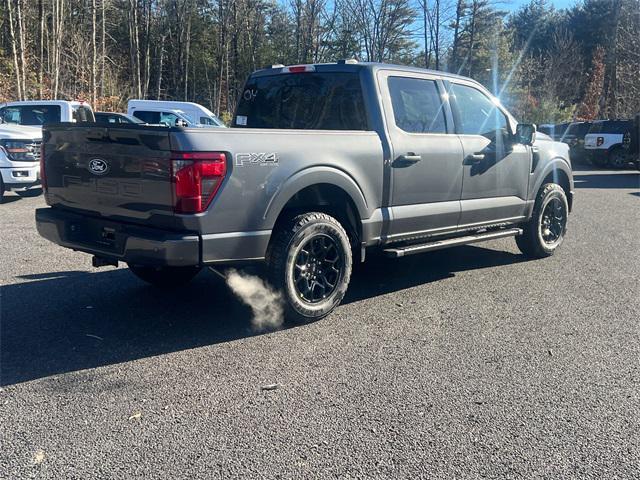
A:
<point x="96" y="235"/>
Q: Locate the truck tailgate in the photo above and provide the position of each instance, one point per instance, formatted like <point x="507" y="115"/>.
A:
<point x="119" y="172"/>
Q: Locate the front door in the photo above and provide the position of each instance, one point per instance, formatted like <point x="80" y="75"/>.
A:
<point x="496" y="169"/>
<point x="426" y="160"/>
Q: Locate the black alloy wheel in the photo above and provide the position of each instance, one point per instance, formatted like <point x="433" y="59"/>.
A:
<point x="553" y="221"/>
<point x="318" y="268"/>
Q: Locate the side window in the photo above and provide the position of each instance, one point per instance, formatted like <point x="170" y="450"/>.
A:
<point x="147" y="117"/>
<point x="417" y="105"/>
<point x="168" y="118"/>
<point x="477" y="114"/>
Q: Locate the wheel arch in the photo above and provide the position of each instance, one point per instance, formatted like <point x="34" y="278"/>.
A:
<point x="557" y="171"/>
<point x="323" y="189"/>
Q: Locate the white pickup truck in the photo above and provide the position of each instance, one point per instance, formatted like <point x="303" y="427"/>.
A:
<point x="20" y="160"/>
<point x="21" y="136"/>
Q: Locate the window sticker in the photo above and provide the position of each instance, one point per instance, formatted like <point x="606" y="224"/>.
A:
<point x="241" y="120"/>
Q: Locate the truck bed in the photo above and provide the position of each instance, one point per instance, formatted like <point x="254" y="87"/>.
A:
<point x="264" y="169"/>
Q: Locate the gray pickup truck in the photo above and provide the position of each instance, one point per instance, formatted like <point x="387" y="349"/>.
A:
<point x="322" y="162"/>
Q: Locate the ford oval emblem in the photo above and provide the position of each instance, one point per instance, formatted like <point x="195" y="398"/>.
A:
<point x="97" y="166"/>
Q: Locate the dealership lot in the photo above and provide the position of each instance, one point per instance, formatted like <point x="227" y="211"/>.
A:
<point x="465" y="363"/>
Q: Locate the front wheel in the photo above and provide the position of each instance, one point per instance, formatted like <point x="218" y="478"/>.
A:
<point x="164" y="277"/>
<point x="309" y="262"/>
<point x="544" y="232"/>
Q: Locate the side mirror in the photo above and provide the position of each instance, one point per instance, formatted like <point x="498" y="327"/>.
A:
<point x="525" y="133"/>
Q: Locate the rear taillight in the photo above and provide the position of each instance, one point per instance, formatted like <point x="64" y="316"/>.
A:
<point x="196" y="177"/>
<point x="43" y="176"/>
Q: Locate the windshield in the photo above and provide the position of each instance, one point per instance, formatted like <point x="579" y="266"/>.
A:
<point x="318" y="101"/>
<point x="36" y="115"/>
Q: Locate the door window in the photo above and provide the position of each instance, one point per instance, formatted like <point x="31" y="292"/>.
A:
<point x="477" y="114"/>
<point x="168" y="118"/>
<point x="147" y="117"/>
<point x="417" y="105"/>
<point x="155" y="118"/>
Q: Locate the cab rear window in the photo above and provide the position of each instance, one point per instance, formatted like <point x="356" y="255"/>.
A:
<point x="306" y="101"/>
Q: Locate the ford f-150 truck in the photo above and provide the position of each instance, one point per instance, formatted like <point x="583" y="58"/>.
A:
<point x="322" y="163"/>
<point x="19" y="159"/>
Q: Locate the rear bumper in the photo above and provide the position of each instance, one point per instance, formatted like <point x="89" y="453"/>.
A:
<point x="117" y="241"/>
<point x="148" y="246"/>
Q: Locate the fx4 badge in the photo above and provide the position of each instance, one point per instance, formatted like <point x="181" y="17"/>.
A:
<point x="264" y="159"/>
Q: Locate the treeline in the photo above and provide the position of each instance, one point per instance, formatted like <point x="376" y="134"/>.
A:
<point x="547" y="64"/>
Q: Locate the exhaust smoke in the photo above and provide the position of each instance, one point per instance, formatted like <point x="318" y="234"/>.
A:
<point x="266" y="304"/>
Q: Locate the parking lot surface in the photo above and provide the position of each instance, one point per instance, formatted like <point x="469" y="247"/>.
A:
<point x="472" y="362"/>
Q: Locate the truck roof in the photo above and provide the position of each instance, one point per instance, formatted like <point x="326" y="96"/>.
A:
<point x="350" y="66"/>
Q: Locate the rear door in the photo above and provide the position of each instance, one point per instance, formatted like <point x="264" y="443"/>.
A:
<point x="426" y="166"/>
<point x="496" y="170"/>
<point x="119" y="172"/>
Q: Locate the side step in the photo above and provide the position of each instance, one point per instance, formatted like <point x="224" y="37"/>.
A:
<point x="451" y="242"/>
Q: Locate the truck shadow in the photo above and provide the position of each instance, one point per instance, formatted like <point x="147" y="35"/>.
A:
<point x="68" y="321"/>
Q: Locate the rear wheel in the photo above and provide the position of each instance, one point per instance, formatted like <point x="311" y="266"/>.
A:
<point x="309" y="262"/>
<point x="164" y="277"/>
<point x="544" y="232"/>
<point x="617" y="158"/>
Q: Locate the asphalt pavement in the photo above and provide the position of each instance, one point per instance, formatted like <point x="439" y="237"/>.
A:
<point x="472" y="362"/>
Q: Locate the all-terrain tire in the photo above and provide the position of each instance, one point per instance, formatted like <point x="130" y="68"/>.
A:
<point x="164" y="277"/>
<point x="532" y="242"/>
<point x="294" y="258"/>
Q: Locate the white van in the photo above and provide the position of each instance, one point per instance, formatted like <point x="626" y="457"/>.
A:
<point x="173" y="113"/>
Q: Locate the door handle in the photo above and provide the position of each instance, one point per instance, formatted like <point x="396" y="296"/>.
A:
<point x="474" y="158"/>
<point x="410" y="158"/>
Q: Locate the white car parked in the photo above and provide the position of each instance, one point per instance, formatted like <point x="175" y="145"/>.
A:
<point x="20" y="160"/>
<point x="21" y="136"/>
<point x="187" y="114"/>
<point x="603" y="144"/>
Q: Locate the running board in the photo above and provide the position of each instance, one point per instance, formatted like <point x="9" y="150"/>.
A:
<point x="451" y="242"/>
